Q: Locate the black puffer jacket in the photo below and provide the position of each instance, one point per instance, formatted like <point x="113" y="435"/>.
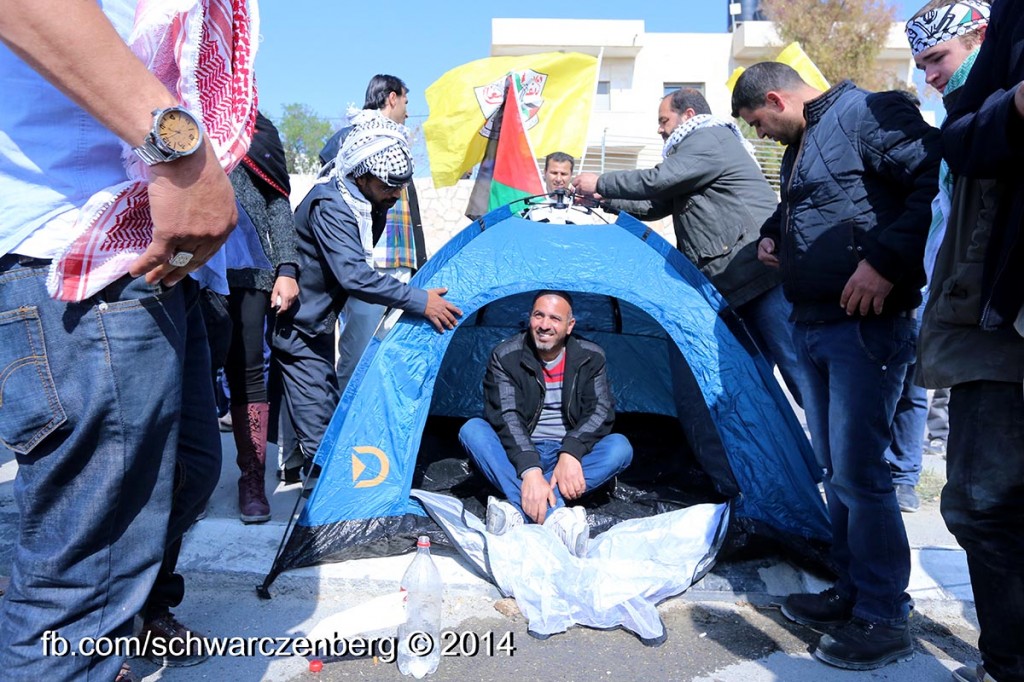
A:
<point x="859" y="185"/>
<point x="514" y="395"/>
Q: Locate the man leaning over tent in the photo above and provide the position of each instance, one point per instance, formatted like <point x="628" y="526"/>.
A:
<point x="718" y="198"/>
<point x="547" y="436"/>
<point x="337" y="224"/>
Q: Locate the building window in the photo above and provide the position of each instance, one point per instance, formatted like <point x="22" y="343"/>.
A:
<point x="672" y="87"/>
<point x="603" y="96"/>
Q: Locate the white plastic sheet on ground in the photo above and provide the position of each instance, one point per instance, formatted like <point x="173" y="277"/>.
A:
<point x="628" y="569"/>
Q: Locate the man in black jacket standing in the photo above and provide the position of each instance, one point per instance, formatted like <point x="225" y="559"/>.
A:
<point x="547" y="436"/>
<point x="858" y="179"/>
<point x="718" y="198"/>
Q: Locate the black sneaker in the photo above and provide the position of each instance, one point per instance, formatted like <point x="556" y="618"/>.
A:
<point x="860" y="645"/>
<point x="822" y="610"/>
<point x="907" y="498"/>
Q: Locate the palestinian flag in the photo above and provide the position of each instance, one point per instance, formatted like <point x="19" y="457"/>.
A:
<point x="508" y="171"/>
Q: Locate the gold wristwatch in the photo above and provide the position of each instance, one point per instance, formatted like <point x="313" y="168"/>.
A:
<point x="176" y="132"/>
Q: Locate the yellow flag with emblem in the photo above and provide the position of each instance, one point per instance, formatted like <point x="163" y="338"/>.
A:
<point x="556" y="95"/>
<point x="793" y="56"/>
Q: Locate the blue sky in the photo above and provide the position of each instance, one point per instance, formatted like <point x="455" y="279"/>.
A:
<point x="323" y="52"/>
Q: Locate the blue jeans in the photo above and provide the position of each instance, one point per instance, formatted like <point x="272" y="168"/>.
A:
<point x="854" y="375"/>
<point x="906" y="452"/>
<point x="767" y="321"/>
<point x="983" y="506"/>
<point x="610" y="456"/>
<point x="92" y="403"/>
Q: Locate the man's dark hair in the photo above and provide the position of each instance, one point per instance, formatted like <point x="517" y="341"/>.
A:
<point x="689" y="98"/>
<point x="552" y="292"/>
<point x="559" y="157"/>
<point x="380" y="87"/>
<point x="760" y="79"/>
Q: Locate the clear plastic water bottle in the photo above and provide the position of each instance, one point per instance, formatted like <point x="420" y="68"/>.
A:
<point x="419" y="638"/>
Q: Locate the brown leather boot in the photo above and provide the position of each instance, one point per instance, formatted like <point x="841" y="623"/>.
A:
<point x="250" y="430"/>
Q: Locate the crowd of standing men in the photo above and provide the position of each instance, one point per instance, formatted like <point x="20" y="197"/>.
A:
<point x="890" y="264"/>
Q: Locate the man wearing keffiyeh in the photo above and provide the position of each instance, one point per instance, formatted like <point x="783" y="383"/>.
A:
<point x="970" y="334"/>
<point x="337" y="224"/>
<point x="98" y="365"/>
<point x="718" y="198"/>
<point x="400" y="250"/>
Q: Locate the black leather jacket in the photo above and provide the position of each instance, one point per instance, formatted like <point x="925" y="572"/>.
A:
<point x="514" y="395"/>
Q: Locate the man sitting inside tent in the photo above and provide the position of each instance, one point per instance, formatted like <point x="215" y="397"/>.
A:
<point x="542" y="444"/>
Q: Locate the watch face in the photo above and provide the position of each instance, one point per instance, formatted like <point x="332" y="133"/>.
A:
<point x="178" y="131"/>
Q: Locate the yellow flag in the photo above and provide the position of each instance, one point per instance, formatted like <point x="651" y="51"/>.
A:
<point x="793" y="56"/>
<point x="556" y="94"/>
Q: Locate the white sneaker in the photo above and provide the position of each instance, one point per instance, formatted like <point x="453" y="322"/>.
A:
<point x="502" y="516"/>
<point x="571" y="527"/>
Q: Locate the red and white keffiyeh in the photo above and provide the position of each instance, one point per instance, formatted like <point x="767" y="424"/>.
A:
<point x="203" y="51"/>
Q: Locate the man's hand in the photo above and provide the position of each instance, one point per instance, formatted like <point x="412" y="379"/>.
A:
<point x="568" y="476"/>
<point x="193" y="208"/>
<point x="866" y="290"/>
<point x="537" y="495"/>
<point x="1018" y="99"/>
<point x="586" y="183"/>
<point x="442" y="314"/>
<point x="766" y="252"/>
<point x="286" y="290"/>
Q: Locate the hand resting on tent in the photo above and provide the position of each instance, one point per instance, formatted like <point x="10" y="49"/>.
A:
<point x="568" y="476"/>
<point x="442" y="314"/>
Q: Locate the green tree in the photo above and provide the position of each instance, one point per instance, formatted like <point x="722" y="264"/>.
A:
<point x="842" y="37"/>
<point x="303" y="133"/>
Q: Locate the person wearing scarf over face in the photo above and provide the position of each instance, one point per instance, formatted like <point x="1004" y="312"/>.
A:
<point x="968" y="338"/>
<point x="337" y="225"/>
<point x="944" y="37"/>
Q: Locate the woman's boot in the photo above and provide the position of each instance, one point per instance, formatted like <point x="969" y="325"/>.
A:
<point x="250" y="430"/>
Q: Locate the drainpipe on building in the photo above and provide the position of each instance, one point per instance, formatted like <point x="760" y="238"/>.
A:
<point x="604" y="146"/>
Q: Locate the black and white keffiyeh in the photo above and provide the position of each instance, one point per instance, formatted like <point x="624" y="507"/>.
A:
<point x="945" y="23"/>
<point x="376" y="145"/>
<point x="704" y="121"/>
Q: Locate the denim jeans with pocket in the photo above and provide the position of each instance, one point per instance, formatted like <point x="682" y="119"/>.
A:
<point x="91" y="403"/>
<point x="854" y="371"/>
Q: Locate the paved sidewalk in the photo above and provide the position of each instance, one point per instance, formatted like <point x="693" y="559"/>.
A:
<point x="223" y="560"/>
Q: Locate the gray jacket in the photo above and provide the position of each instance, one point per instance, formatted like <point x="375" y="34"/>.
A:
<point x="718" y="198"/>
<point x="952" y="347"/>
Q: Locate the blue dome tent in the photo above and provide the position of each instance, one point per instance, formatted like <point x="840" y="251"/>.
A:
<point x="674" y="349"/>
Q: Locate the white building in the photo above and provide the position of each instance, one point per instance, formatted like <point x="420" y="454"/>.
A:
<point x="638" y="68"/>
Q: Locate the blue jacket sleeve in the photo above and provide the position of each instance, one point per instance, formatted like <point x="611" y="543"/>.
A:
<point x="337" y="235"/>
